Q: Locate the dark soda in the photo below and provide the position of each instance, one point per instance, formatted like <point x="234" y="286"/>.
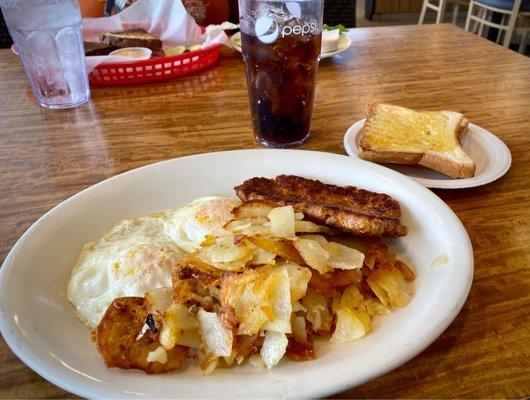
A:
<point x="281" y="78"/>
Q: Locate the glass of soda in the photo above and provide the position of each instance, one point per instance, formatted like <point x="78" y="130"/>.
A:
<point x="47" y="34"/>
<point x="281" y="48"/>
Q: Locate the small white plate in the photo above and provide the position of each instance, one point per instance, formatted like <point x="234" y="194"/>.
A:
<point x="344" y="44"/>
<point x="41" y="327"/>
<point x="491" y="156"/>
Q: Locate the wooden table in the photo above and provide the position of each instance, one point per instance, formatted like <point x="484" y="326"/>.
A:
<point x="47" y="156"/>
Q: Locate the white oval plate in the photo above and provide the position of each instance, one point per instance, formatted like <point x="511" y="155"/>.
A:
<point x="492" y="159"/>
<point x="344" y="44"/>
<point x="41" y="327"/>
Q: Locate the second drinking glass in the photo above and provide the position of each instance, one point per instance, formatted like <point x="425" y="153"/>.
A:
<point x="47" y="34"/>
<point x="281" y="47"/>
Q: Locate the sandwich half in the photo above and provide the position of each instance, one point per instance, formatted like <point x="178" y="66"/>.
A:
<point x="131" y="38"/>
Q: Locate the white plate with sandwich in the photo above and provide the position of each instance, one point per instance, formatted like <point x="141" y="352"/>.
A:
<point x="438" y="149"/>
<point x="43" y="329"/>
<point x="333" y="43"/>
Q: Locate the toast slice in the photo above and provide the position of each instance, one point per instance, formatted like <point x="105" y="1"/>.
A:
<point x="131" y="38"/>
<point x="398" y="135"/>
<point x="97" y="49"/>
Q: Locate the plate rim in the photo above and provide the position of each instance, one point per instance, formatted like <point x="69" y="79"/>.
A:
<point x="483" y="134"/>
<point x="40" y="366"/>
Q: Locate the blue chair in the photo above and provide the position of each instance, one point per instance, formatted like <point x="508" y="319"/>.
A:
<point x="512" y="11"/>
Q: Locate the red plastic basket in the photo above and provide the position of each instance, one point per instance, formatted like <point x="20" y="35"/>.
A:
<point x="154" y="69"/>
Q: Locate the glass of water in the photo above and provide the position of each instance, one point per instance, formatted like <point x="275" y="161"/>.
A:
<point x="47" y="34"/>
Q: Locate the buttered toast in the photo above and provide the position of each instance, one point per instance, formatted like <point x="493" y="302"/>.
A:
<point x="398" y="135"/>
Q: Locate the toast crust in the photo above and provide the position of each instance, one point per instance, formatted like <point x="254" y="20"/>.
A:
<point x="454" y="163"/>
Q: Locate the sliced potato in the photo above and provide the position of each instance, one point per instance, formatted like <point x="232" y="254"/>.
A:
<point x="318" y="238"/>
<point x="216" y="337"/>
<point x="389" y="285"/>
<point x="274" y="347"/>
<point x="254" y="230"/>
<point x="246" y="346"/>
<point x="238" y="265"/>
<point x="276" y="293"/>
<point x="237" y="225"/>
<point x="317" y="311"/>
<point x="374" y="307"/>
<point x="350" y="325"/>
<point x="248" y="226"/>
<point x="298" y="216"/>
<point x="305" y="226"/>
<point x="259" y="220"/>
<point x="190" y="338"/>
<point x="300" y="351"/>
<point x="345" y="277"/>
<point x="181" y="317"/>
<point x="262" y="257"/>
<point x="256" y="361"/>
<point x="207" y="361"/>
<point x="158" y="355"/>
<point x="180" y="327"/>
<point x="379" y="292"/>
<point x="405" y="270"/>
<point x="313" y="254"/>
<point x="237" y="291"/>
<point x="299" y="278"/>
<point x="362" y="315"/>
<point x="253" y="209"/>
<point x="226" y="256"/>
<point x="351" y="298"/>
<point x="222" y="253"/>
<point x="210" y="366"/>
<point x="279" y="281"/>
<point x="282" y="222"/>
<point x="330" y="283"/>
<point x="344" y="257"/>
<point x="261" y="299"/>
<point x="310" y="227"/>
<point x="297" y="306"/>
<point x="376" y="252"/>
<point x="299" y="331"/>
<point x="281" y="247"/>
<point x="209" y="240"/>
<point x="159" y="300"/>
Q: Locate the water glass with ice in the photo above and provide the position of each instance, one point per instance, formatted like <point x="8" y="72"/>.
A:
<point x="47" y="35"/>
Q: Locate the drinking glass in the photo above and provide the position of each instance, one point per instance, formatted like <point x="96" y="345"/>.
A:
<point x="280" y="43"/>
<point x="47" y="34"/>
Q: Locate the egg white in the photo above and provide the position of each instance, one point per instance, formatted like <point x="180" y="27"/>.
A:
<point x="189" y="225"/>
<point x="138" y="255"/>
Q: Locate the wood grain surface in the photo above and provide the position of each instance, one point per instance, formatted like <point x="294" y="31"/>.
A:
<point x="47" y="156"/>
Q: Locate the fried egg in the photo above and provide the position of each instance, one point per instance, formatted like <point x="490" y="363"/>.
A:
<point x="138" y="255"/>
<point x="188" y="226"/>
